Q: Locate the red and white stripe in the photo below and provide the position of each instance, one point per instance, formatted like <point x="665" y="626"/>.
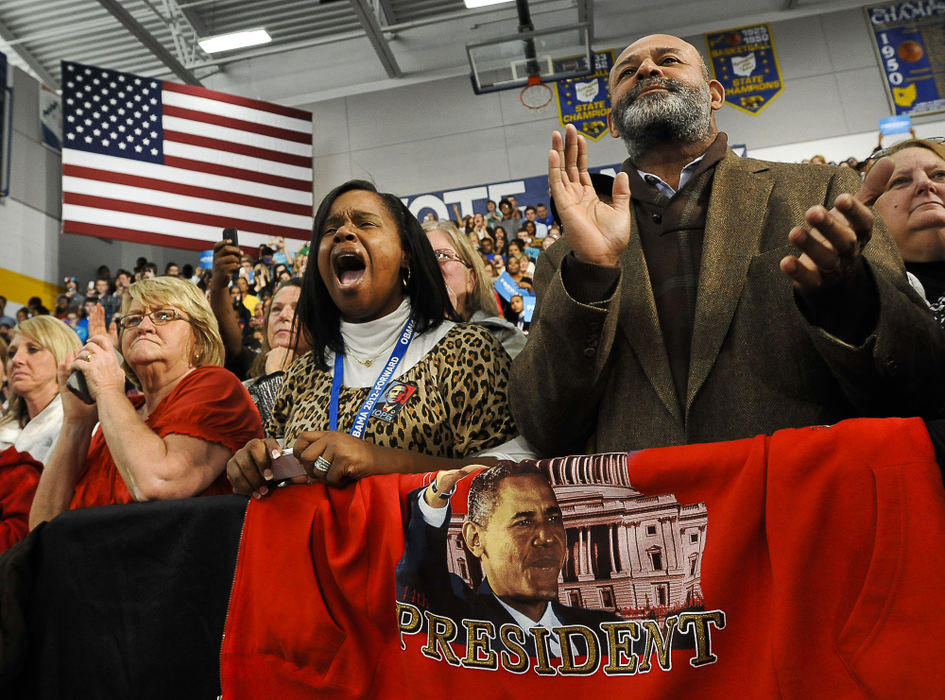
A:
<point x="228" y="161"/>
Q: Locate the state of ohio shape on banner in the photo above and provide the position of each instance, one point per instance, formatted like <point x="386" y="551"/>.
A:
<point x="745" y="62"/>
<point x="161" y="163"/>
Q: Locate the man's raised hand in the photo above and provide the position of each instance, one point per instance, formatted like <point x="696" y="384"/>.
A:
<point x="597" y="232"/>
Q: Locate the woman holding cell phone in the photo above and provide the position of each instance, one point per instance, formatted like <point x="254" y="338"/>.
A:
<point x="172" y="440"/>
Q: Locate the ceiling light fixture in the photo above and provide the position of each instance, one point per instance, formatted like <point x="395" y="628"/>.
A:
<point x="473" y="4"/>
<point x="234" y="40"/>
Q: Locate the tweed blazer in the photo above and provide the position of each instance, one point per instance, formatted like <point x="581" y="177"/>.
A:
<point x="595" y="377"/>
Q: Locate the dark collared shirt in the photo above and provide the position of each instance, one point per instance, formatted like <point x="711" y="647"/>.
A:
<point x="671" y="233"/>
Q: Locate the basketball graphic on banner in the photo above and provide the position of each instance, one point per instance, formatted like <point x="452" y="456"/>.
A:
<point x="911" y="51"/>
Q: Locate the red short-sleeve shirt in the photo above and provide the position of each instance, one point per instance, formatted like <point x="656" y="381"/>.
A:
<point x="210" y="403"/>
<point x="19" y="475"/>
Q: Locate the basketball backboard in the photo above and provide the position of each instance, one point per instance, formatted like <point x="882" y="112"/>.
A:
<point x="518" y="60"/>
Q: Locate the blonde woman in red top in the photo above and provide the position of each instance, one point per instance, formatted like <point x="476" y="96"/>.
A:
<point x="174" y="439"/>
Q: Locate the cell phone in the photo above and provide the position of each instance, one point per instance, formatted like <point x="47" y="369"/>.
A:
<point x="77" y="385"/>
<point x="233" y="235"/>
<point x="284" y="468"/>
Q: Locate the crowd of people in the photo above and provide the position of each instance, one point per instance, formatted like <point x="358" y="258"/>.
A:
<point x="509" y="237"/>
<point x="850" y="162"/>
<point x="668" y="313"/>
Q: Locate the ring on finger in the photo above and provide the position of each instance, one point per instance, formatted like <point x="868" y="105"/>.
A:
<point x="322" y="465"/>
<point x="87" y="357"/>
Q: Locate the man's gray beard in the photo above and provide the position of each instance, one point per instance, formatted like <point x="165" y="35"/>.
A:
<point x="682" y="115"/>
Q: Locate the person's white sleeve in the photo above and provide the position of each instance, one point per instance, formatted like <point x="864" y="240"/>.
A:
<point x="917" y="285"/>
<point x="434" y="517"/>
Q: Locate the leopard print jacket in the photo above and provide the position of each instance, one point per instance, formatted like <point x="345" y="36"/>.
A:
<point x="459" y="404"/>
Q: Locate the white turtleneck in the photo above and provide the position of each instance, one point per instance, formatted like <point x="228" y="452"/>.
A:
<point x="374" y="340"/>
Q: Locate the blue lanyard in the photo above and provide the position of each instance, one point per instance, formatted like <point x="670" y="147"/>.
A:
<point x="383" y="379"/>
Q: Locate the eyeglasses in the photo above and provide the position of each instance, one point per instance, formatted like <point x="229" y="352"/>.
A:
<point x="158" y="317"/>
<point x="445" y="255"/>
<point x="876" y="155"/>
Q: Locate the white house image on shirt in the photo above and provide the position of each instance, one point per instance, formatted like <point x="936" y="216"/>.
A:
<point x="639" y="556"/>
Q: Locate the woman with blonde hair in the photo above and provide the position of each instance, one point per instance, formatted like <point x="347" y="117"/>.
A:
<point x="469" y="286"/>
<point x="171" y="441"/>
<point x="34" y="411"/>
<point x="301" y="261"/>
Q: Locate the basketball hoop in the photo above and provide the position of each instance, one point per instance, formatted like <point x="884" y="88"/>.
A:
<point x="535" y="95"/>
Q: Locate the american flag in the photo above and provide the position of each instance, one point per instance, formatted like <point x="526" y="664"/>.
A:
<point x="161" y="163"/>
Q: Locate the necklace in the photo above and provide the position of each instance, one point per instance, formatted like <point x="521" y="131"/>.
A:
<point x="383" y="379"/>
<point x="370" y="361"/>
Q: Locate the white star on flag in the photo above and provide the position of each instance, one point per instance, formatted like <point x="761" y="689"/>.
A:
<point x="182" y="163"/>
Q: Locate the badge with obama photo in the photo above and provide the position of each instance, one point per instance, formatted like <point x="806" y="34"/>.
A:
<point x="559" y="566"/>
<point x="393" y="400"/>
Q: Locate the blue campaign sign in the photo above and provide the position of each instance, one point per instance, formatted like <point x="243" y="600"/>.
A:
<point x="908" y="43"/>
<point x="585" y="101"/>
<point x="529" y="304"/>
<point x="745" y="62"/>
<point x="895" y="125"/>
<point x="507" y="288"/>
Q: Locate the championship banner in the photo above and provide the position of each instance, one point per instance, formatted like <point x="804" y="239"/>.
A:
<point x="745" y="62"/>
<point x="162" y="163"/>
<point x="585" y="101"/>
<point x="910" y="46"/>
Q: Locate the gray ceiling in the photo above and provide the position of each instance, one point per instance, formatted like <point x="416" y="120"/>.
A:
<point x="323" y="49"/>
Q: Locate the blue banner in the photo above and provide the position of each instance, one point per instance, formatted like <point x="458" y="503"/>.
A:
<point x="909" y="37"/>
<point x="585" y="101"/>
<point x="50" y="118"/>
<point x="455" y="204"/>
<point x="5" y="119"/>
<point x="745" y="62"/>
